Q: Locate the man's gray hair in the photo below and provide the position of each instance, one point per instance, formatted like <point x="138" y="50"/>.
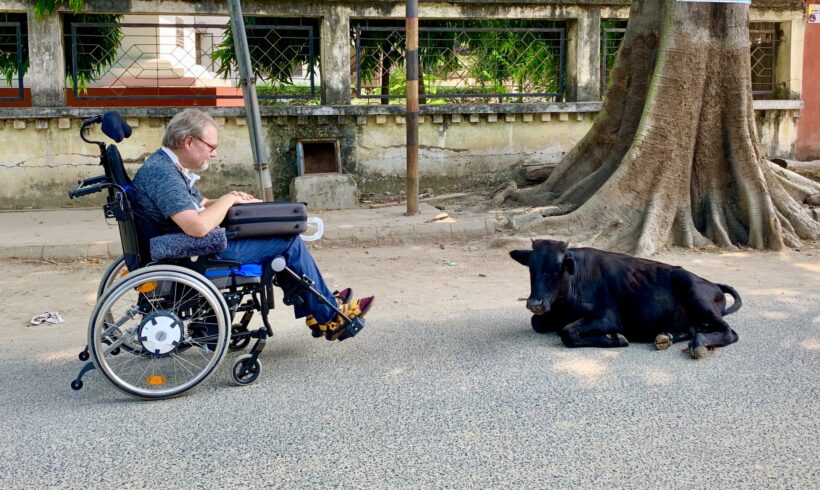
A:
<point x="190" y="122"/>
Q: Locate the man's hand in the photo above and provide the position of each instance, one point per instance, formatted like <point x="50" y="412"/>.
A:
<point x="244" y="197"/>
<point x="198" y="224"/>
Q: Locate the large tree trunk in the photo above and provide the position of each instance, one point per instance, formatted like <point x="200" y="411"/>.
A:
<point x="673" y="158"/>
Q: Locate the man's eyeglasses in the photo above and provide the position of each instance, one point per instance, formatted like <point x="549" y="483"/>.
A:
<point x="210" y="146"/>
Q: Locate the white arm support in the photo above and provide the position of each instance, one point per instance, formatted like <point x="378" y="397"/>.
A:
<point x="314" y="223"/>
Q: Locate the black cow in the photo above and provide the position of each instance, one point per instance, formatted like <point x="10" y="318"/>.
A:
<point x="594" y="298"/>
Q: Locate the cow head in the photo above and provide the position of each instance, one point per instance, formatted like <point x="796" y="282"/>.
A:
<point x="548" y="262"/>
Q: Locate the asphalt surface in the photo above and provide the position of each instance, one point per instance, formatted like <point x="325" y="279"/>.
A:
<point x="460" y="395"/>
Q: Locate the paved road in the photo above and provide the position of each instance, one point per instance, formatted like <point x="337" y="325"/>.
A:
<point x="446" y="387"/>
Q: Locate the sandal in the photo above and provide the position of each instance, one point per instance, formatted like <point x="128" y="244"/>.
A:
<point x="343" y="296"/>
<point x="333" y="330"/>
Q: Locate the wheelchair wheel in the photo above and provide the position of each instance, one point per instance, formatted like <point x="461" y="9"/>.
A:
<point x="115" y="271"/>
<point x="172" y="325"/>
<point x="244" y="371"/>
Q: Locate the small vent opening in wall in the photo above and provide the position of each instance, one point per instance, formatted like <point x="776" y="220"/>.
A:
<point x="317" y="157"/>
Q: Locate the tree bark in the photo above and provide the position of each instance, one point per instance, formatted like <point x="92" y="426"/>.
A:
<point x="673" y="158"/>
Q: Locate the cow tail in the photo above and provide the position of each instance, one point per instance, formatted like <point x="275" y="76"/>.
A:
<point x="736" y="304"/>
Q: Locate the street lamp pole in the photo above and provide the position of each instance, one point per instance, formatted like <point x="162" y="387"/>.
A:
<point x="248" y="82"/>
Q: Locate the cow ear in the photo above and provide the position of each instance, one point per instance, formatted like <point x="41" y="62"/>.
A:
<point x="521" y="256"/>
<point x="569" y="264"/>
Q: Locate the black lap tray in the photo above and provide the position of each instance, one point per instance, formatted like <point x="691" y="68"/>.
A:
<point x="266" y="219"/>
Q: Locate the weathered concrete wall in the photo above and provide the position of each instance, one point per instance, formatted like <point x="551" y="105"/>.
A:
<point x="777" y="131"/>
<point x="459" y="151"/>
<point x="461" y="146"/>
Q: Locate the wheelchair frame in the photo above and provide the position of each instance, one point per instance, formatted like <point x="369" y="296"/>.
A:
<point x="172" y="319"/>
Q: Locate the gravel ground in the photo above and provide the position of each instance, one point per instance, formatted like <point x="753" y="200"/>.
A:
<point x="446" y="387"/>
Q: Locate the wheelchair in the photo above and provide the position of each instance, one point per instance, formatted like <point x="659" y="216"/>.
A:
<point x="160" y="328"/>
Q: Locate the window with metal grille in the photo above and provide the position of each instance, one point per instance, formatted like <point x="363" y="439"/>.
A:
<point x="204" y="45"/>
<point x="13" y="56"/>
<point x="180" y="32"/>
<point x="763" y="38"/>
<point x="612" y="33"/>
<point x="461" y="61"/>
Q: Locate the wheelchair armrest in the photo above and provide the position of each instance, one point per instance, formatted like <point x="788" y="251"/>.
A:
<point x="202" y="263"/>
<point x="212" y="263"/>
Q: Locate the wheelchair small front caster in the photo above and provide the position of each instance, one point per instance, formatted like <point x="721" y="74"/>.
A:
<point x="77" y="385"/>
<point x="245" y="371"/>
<point x="84" y="355"/>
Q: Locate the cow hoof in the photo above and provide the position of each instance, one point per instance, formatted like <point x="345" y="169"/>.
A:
<point x="622" y="341"/>
<point x="663" y="341"/>
<point x="699" y="352"/>
<point x="697" y="347"/>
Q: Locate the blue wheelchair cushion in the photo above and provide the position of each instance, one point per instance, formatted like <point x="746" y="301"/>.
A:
<point x="181" y="246"/>
<point x="245" y="270"/>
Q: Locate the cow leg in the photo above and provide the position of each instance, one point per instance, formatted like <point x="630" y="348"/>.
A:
<point x="700" y="343"/>
<point x="595" y="332"/>
<point x="665" y="340"/>
<point x="548" y="322"/>
<point x="541" y="324"/>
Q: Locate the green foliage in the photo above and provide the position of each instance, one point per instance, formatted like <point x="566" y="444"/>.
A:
<point x="10" y="64"/>
<point x="528" y="58"/>
<point x="300" y="95"/>
<point x="51" y="6"/>
<point x="491" y="58"/>
<point x="379" y="51"/>
<point x="97" y="47"/>
<point x="611" y="43"/>
<point x="275" y="49"/>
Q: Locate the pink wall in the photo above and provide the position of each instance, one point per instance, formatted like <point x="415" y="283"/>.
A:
<point x="808" y="127"/>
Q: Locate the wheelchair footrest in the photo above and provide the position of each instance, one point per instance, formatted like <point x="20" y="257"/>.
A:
<point x="352" y="327"/>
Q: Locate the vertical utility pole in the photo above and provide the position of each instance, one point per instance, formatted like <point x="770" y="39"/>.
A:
<point x="412" y="111"/>
<point x="248" y="82"/>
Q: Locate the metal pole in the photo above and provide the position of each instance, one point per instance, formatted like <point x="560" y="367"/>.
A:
<point x="412" y="110"/>
<point x="248" y="82"/>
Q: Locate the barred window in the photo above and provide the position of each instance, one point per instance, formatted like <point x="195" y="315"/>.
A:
<point x="612" y="33"/>
<point x="763" y="38"/>
<point x="461" y="61"/>
<point x="180" y="37"/>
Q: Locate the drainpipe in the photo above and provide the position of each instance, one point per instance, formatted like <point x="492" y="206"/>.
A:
<point x="248" y="83"/>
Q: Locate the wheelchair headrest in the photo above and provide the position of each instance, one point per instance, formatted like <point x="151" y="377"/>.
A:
<point x="115" y="127"/>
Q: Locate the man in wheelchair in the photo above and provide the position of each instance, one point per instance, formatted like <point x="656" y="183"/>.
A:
<point x="163" y="318"/>
<point x="164" y="192"/>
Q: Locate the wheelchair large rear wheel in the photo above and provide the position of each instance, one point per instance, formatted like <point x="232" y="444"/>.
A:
<point x="115" y="271"/>
<point x="159" y="331"/>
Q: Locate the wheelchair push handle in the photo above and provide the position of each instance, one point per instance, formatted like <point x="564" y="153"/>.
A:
<point x="92" y="181"/>
<point x="86" y="190"/>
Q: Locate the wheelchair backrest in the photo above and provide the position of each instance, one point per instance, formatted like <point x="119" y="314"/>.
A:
<point x="136" y="252"/>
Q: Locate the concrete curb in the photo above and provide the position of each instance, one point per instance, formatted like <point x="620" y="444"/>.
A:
<point x="420" y="233"/>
